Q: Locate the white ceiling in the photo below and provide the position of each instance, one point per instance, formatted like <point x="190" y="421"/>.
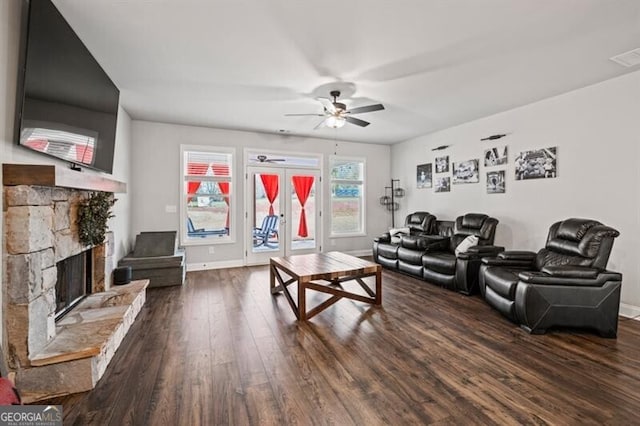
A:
<point x="243" y="64"/>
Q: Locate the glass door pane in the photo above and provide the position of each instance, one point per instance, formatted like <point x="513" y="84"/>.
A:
<point x="266" y="212"/>
<point x="265" y="224"/>
<point x="303" y="218"/>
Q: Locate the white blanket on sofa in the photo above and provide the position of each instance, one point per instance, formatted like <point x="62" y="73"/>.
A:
<point x="397" y="233"/>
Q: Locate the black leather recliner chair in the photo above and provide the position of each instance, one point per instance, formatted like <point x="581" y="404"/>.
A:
<point x="418" y="223"/>
<point x="385" y="251"/>
<point x="565" y="284"/>
<point x="459" y="272"/>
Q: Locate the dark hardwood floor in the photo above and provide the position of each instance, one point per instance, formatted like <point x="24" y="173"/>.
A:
<point x="222" y="351"/>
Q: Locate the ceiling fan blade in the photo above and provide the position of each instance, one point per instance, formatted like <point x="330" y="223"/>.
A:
<point x="328" y="105"/>
<point x="320" y="124"/>
<point x="369" y="108"/>
<point x="300" y="115"/>
<point x="356" y="121"/>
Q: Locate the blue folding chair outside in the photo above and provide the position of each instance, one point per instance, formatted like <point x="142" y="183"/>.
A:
<point x="269" y="229"/>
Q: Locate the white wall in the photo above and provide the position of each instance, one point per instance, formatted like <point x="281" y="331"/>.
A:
<point x="11" y="153"/>
<point x="597" y="132"/>
<point x="156" y="181"/>
<point x="9" y="46"/>
<point x="120" y="224"/>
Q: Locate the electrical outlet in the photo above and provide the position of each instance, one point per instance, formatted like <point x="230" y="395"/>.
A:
<point x="170" y="209"/>
<point x="212" y="250"/>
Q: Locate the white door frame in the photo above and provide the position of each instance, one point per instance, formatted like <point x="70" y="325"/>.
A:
<point x="277" y="168"/>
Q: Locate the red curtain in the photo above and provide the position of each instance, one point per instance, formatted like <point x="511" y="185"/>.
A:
<point x="302" y="185"/>
<point x="224" y="188"/>
<point x="223" y="170"/>
<point x="195" y="169"/>
<point x="192" y="187"/>
<point x="270" y="183"/>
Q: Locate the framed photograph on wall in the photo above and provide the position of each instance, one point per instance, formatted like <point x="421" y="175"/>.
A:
<point x="495" y="182"/>
<point x="443" y="184"/>
<point x="537" y="164"/>
<point x="466" y="171"/>
<point x="424" y="175"/>
<point x="442" y="164"/>
<point x="496" y="156"/>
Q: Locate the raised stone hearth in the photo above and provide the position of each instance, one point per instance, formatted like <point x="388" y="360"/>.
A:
<point x="86" y="340"/>
<point x="40" y="230"/>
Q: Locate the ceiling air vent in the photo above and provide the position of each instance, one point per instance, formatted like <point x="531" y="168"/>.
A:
<point x="628" y="59"/>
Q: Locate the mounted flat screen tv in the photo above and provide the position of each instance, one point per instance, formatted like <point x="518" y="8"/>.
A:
<point x="67" y="106"/>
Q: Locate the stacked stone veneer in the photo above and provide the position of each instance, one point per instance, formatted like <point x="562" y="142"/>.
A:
<point x="40" y="230"/>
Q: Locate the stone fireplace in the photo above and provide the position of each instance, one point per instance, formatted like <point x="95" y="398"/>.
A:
<point x="40" y="230"/>
<point x="53" y="358"/>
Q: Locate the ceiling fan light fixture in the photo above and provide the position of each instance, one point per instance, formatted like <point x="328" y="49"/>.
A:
<point x="335" y="122"/>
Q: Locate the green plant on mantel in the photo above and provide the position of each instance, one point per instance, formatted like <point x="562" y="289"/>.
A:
<point x="93" y="214"/>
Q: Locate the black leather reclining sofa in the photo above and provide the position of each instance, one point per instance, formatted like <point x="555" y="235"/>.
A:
<point x="429" y="251"/>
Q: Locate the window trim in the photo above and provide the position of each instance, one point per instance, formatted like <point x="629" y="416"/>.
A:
<point x="231" y="238"/>
<point x="363" y="182"/>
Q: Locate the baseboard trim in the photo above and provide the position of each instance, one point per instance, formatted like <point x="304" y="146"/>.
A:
<point x="204" y="266"/>
<point x="630" y="311"/>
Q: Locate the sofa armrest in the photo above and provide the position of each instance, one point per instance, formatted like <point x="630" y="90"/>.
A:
<point x="571" y="271"/>
<point x="477" y="252"/>
<point x="496" y="261"/>
<point x="543" y="278"/>
<point x="518" y="259"/>
<point x="486" y="249"/>
<point x="518" y="255"/>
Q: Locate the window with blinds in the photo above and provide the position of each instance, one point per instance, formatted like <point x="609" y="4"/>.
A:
<point x="347" y="196"/>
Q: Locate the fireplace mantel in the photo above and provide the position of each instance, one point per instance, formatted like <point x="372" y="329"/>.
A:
<point x="52" y="175"/>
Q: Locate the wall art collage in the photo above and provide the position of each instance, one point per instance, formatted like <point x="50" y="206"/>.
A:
<point x="532" y="164"/>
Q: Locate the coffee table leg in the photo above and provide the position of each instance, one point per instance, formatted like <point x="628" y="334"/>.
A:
<point x="272" y="277"/>
<point x="302" y="301"/>
<point x="379" y="286"/>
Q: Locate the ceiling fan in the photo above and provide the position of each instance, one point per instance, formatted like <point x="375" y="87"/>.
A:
<point x="264" y="159"/>
<point x="336" y="113"/>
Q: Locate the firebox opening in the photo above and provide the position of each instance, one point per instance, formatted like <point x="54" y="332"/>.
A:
<point x="74" y="282"/>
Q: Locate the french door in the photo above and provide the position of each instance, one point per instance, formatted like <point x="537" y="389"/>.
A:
<point x="283" y="212"/>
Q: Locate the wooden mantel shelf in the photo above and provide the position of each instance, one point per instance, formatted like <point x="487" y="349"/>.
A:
<point x="51" y="175"/>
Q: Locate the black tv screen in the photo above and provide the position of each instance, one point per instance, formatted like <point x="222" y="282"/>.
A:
<point x="67" y="106"/>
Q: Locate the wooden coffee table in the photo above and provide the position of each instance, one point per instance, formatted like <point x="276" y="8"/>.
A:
<point x="324" y="272"/>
